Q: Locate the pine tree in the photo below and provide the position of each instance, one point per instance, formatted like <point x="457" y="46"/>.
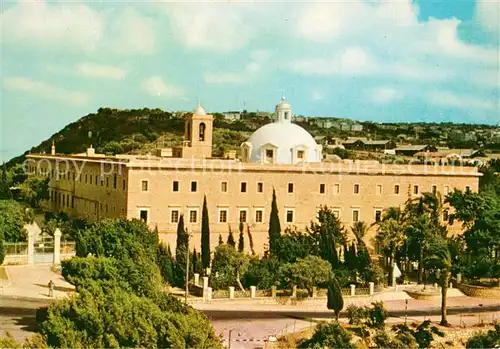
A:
<point x="230" y="238"/>
<point x="205" y="236"/>
<point x="335" y="301"/>
<point x="241" y="240"/>
<point x="250" y="240"/>
<point x="221" y="242"/>
<point x="274" y="227"/>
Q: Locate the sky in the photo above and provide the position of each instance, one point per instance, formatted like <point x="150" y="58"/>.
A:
<point x="391" y="61"/>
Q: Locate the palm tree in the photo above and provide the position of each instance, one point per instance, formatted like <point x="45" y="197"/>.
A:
<point x="438" y="256"/>
<point x="391" y="237"/>
<point x="420" y="234"/>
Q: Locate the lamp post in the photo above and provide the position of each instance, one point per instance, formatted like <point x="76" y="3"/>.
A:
<point x="229" y="339"/>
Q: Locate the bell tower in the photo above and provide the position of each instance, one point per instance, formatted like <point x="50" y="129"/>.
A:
<point x="198" y="134"/>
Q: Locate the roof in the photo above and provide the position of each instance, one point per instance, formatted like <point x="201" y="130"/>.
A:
<point x="448" y="153"/>
<point x="381" y="142"/>
<point x="412" y="147"/>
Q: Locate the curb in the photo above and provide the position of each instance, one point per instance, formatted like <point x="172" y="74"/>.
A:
<point x="46" y="301"/>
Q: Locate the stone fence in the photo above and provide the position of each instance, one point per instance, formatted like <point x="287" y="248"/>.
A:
<point x="203" y="290"/>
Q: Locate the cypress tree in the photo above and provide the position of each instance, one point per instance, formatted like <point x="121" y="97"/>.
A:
<point x="241" y="241"/>
<point x="274" y="227"/>
<point x="182" y="244"/>
<point x="205" y="236"/>
<point x="335" y="301"/>
<point x="230" y="238"/>
<point x="250" y="240"/>
<point x="221" y="242"/>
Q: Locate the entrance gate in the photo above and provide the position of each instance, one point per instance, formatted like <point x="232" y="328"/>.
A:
<point x="44" y="249"/>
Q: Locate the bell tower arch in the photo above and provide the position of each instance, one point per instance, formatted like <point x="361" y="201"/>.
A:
<point x="198" y="134"/>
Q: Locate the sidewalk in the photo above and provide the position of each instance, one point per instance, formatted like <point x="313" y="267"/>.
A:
<point x="31" y="282"/>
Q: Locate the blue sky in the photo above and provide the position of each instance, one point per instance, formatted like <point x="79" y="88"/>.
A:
<point x="367" y="60"/>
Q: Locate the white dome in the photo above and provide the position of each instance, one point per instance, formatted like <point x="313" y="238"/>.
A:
<point x="289" y="143"/>
<point x="200" y="110"/>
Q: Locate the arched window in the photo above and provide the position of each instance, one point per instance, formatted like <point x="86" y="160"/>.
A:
<point x="202" y="132"/>
<point x="286" y="115"/>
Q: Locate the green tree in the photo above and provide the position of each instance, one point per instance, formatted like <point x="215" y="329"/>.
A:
<point x="420" y="235"/>
<point x="250" y="240"/>
<point x="166" y="263"/>
<point x="35" y="189"/>
<point x="489" y="339"/>
<point x="438" y="256"/>
<point x="228" y="266"/>
<point x="241" y="239"/>
<point x="274" y="226"/>
<point x="306" y="273"/>
<point x="391" y="237"/>
<point x="329" y="236"/>
<point x="335" y="300"/>
<point x="13" y="217"/>
<point x="220" y="240"/>
<point x="181" y="251"/>
<point x="2" y="250"/>
<point x="205" y="236"/>
<point x="230" y="239"/>
<point x="5" y="193"/>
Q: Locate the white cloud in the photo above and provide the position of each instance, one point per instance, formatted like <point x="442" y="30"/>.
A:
<point x="251" y="70"/>
<point x="490" y="78"/>
<point x="385" y="95"/>
<point x="45" y="90"/>
<point x="155" y="86"/>
<point x="100" y="71"/>
<point x="318" y="95"/>
<point x="69" y="25"/>
<point x="488" y="15"/>
<point x="450" y="99"/>
<point x="135" y="33"/>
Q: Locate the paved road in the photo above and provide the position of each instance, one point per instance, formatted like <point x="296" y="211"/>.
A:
<point x="251" y="327"/>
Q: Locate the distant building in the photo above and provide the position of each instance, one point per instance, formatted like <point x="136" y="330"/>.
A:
<point x="357" y="127"/>
<point x="232" y="116"/>
<point x="380" y="145"/>
<point x="411" y="150"/>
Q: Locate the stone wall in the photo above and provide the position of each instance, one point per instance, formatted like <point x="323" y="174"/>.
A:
<point x="480" y="291"/>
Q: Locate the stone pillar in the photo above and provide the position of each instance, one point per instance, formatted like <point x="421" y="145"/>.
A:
<point x="231" y="292"/>
<point x="253" y="291"/>
<point x="294" y="291"/>
<point x="315" y="292"/>
<point x="205" y="288"/>
<point x="209" y="294"/>
<point x="196" y="279"/>
<point x="31" y="248"/>
<point x="372" y="288"/>
<point x="205" y="282"/>
<point x="273" y="291"/>
<point x="459" y="278"/>
<point x="57" y="246"/>
<point x="353" y="290"/>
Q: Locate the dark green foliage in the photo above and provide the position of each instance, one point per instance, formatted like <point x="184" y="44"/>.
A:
<point x="262" y="273"/>
<point x="241" y="240"/>
<point x="35" y="189"/>
<point x="250" y="240"/>
<point x="377" y="315"/>
<point x="230" y="239"/>
<point x="205" y="236"/>
<point x="306" y="273"/>
<point x="274" y="227"/>
<point x="422" y="335"/>
<point x="402" y="339"/>
<point x="2" y="251"/>
<point x="329" y="335"/>
<point x="5" y="193"/>
<point x="196" y="266"/>
<point x="166" y="263"/>
<point x="228" y="266"/>
<point x="293" y="245"/>
<point x="13" y="216"/>
<point x="220" y="240"/>
<point x="335" y="300"/>
<point x="329" y="234"/>
<point x="490" y="339"/>
<point x="182" y="245"/>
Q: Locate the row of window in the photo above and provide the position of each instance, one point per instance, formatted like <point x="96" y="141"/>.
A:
<point x="62" y="199"/>
<point x="291" y="187"/>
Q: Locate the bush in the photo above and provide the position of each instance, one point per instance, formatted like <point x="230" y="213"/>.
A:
<point x="262" y="273"/>
<point x="306" y="273"/>
<point x="357" y="315"/>
<point x="405" y="340"/>
<point x="490" y="339"/>
<point x="330" y="335"/>
<point x="377" y="315"/>
<point x="2" y="250"/>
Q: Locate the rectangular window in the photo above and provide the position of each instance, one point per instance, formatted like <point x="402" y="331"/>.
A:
<point x="102" y="182"/>
<point x="356" y="188"/>
<point x="260" y="187"/>
<point x="269" y="154"/>
<point x="143" y="215"/>
<point x="289" y="216"/>
<point x="106" y="208"/>
<point x="300" y="154"/>
<point x="175" y="186"/>
<point x="124" y="185"/>
<point x="336" y="213"/>
<point x="322" y="188"/>
<point x="115" y="180"/>
<point x="193" y="216"/>
<point x="379" y="189"/>
<point x="72" y="202"/>
<point x="378" y="215"/>
<point x="144" y="186"/>
<point x="446" y="190"/>
<point x="415" y="189"/>
<point x="243" y="187"/>
<point x="174" y="216"/>
<point x="336" y="188"/>
<point x="259" y="215"/>
<point x="446" y="216"/>
<point x="355" y="215"/>
<point x="95" y="180"/>
<point x="223" y="187"/>
<point x="74" y="176"/>
<point x="223" y="216"/>
<point x="396" y="189"/>
<point x="194" y="186"/>
<point x="290" y="187"/>
<point x="64" y="200"/>
<point x="243" y="216"/>
<point x="434" y="189"/>
<point x="85" y="178"/>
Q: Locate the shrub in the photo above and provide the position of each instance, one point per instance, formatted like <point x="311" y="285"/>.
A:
<point x="330" y="335"/>
<point x="488" y="339"/>
<point x="377" y="315"/>
<point x="262" y="273"/>
<point x="357" y="315"/>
